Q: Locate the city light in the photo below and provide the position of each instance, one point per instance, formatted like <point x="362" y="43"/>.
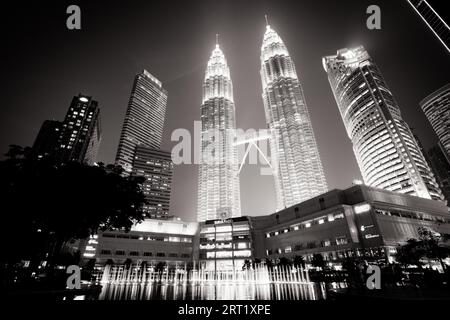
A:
<point x="362" y="208"/>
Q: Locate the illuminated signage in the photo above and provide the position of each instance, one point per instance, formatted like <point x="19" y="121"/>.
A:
<point x="361" y="208"/>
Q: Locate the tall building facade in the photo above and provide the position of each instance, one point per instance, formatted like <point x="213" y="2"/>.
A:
<point x="433" y="20"/>
<point x="80" y="135"/>
<point x="297" y="168"/>
<point x="436" y="107"/>
<point x="387" y="153"/>
<point x="156" y="167"/>
<point x="144" y="119"/>
<point x="46" y="142"/>
<point x="441" y="169"/>
<point x="218" y="187"/>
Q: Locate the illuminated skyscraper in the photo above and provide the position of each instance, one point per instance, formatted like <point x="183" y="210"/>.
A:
<point x="46" y="142"/>
<point x="80" y="132"/>
<point x="432" y="19"/>
<point x="385" y="149"/>
<point x="297" y="169"/>
<point x="436" y="107"/>
<point x="144" y="119"/>
<point x="157" y="168"/>
<point x="218" y="187"/>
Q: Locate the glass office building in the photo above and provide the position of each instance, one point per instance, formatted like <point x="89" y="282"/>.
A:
<point x="433" y="20"/>
<point x="80" y="133"/>
<point x="436" y="107"/>
<point x="144" y="119"/>
<point x="156" y="167"/>
<point x="297" y="168"/>
<point x="385" y="149"/>
<point x="218" y="185"/>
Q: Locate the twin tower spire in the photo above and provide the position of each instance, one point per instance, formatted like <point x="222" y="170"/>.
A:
<point x="297" y="169"/>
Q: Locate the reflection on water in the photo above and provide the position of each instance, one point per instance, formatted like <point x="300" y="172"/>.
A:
<point x="213" y="291"/>
<point x="260" y="283"/>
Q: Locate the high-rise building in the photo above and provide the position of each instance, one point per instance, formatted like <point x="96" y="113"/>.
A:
<point x="144" y="119"/>
<point x="385" y="149"/>
<point x="218" y="188"/>
<point x="436" y="107"/>
<point x="297" y="169"/>
<point x="441" y="169"/>
<point x="433" y="20"/>
<point x="80" y="135"/>
<point x="157" y="168"/>
<point x="46" y="142"/>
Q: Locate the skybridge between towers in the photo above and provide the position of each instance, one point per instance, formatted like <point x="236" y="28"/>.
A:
<point x="251" y="140"/>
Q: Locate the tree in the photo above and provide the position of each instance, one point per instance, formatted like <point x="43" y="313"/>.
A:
<point x="410" y="253"/>
<point x="318" y="261"/>
<point x="247" y="265"/>
<point x="54" y="203"/>
<point x="109" y="262"/>
<point x="127" y="263"/>
<point x="431" y="243"/>
<point x="299" y="261"/>
<point x="160" y="266"/>
<point x="283" y="261"/>
<point x="268" y="262"/>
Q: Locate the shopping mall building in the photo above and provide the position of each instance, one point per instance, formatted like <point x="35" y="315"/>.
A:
<point x="336" y="224"/>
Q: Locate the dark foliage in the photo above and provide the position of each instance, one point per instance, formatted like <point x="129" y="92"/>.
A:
<point x="47" y="204"/>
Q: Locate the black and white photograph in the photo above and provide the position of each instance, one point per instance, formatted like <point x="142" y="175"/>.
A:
<point x="225" y="157"/>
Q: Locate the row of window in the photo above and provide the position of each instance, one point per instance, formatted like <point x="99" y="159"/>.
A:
<point x="225" y="228"/>
<point x="307" y="224"/>
<point x="144" y="254"/>
<point x="222" y="237"/>
<point x="237" y="245"/>
<point x="149" y="238"/>
<point x="411" y="215"/>
<point x="309" y="245"/>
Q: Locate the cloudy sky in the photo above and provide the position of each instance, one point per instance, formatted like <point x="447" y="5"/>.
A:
<point x="44" y="65"/>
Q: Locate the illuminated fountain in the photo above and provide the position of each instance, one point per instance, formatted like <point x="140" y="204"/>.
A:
<point x="137" y="282"/>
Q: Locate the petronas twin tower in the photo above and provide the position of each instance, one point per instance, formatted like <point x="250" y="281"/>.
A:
<point x="297" y="169"/>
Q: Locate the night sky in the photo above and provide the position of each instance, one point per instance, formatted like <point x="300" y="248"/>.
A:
<point x="45" y="65"/>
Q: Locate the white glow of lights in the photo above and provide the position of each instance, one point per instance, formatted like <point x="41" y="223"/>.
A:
<point x="308" y="225"/>
<point x="361" y="208"/>
<point x="84" y="99"/>
<point x="166" y="227"/>
<point x="88" y="255"/>
<point x="242" y="253"/>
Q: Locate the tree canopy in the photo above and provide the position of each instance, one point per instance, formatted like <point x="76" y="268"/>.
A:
<point x="49" y="201"/>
